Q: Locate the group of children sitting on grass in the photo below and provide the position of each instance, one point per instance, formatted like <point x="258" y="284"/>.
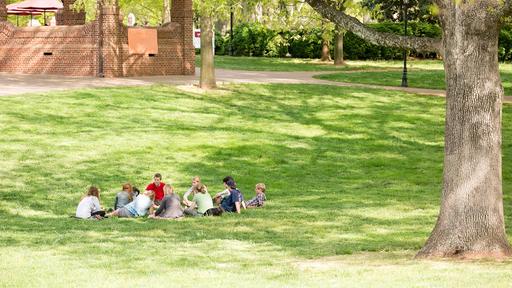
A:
<point x="159" y="201"/>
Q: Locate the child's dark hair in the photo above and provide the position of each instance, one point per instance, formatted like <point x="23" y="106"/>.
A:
<point x="228" y="178"/>
<point x="231" y="184"/>
<point x="158" y="175"/>
<point x="136" y="191"/>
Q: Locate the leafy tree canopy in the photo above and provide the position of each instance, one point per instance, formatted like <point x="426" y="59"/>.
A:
<point x="418" y="10"/>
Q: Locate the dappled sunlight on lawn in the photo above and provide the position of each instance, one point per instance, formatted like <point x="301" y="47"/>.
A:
<point x="399" y="269"/>
<point x="425" y="77"/>
<point x="347" y="170"/>
<point x="16" y="210"/>
<point x="302" y="64"/>
<point x="134" y="265"/>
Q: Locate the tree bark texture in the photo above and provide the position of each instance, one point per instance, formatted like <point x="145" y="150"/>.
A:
<point x="3" y="10"/>
<point x="328" y="9"/>
<point x="167" y="11"/>
<point x="326" y="51"/>
<point x="338" y="48"/>
<point x="471" y="220"/>
<point x="207" y="79"/>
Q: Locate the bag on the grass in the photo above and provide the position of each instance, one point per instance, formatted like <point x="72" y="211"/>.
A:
<point x="213" y="212"/>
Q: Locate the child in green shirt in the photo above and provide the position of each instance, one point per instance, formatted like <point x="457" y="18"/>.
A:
<point x="201" y="202"/>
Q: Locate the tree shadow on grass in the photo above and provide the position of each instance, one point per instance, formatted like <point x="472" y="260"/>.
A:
<point x="305" y="220"/>
<point x="347" y="171"/>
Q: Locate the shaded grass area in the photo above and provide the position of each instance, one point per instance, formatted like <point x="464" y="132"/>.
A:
<point x="430" y="79"/>
<point x="296" y="64"/>
<point x="348" y="171"/>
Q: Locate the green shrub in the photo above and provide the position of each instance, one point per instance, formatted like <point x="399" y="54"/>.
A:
<point x="221" y="44"/>
<point x="254" y="39"/>
<point x="304" y="44"/>
<point x="278" y="46"/>
<point x="251" y="40"/>
<point x="505" y="43"/>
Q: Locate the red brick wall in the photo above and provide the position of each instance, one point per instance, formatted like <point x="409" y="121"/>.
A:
<point x="3" y="10"/>
<point x="76" y="50"/>
<point x="72" y="50"/>
<point x="168" y="60"/>
<point x="182" y="13"/>
<point x="112" y="34"/>
<point x="6" y="31"/>
<point x="68" y="16"/>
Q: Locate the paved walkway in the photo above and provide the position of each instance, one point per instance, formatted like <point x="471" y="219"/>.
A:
<point x="20" y="84"/>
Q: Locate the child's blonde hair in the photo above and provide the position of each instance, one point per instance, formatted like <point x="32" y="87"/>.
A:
<point x="261" y="186"/>
<point x="168" y="189"/>
<point x="151" y="194"/>
<point x="201" y="189"/>
<point x="128" y="187"/>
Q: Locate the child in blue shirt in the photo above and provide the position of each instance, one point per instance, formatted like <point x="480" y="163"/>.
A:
<point x="233" y="202"/>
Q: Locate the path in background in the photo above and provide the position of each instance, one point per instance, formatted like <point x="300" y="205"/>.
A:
<point x="307" y="78"/>
<point x="20" y="84"/>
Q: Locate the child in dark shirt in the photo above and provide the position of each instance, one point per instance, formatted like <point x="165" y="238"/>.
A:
<point x="233" y="202"/>
<point x="219" y="197"/>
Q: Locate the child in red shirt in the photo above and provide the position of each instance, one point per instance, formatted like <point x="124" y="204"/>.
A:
<point x="158" y="187"/>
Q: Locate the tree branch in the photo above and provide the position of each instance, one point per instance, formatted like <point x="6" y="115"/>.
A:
<point x="507" y="9"/>
<point x="328" y="10"/>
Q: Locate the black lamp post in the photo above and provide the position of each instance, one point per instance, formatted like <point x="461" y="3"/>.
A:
<point x="231" y="32"/>
<point x="404" y="73"/>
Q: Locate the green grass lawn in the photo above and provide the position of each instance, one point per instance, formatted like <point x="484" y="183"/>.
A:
<point x="296" y="64"/>
<point x="422" y="73"/>
<point x="431" y="79"/>
<point x="353" y="179"/>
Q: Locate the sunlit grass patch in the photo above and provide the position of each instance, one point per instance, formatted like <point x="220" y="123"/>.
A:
<point x="348" y="171"/>
<point x="429" y="79"/>
<point x="297" y="64"/>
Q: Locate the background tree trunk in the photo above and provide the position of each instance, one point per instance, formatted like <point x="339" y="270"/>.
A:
<point x="471" y="221"/>
<point x="207" y="80"/>
<point x="326" y="51"/>
<point x="338" y="48"/>
<point x="167" y="11"/>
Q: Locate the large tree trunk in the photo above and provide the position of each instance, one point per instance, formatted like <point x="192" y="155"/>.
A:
<point x="338" y="48"/>
<point x="471" y="221"/>
<point x="207" y="80"/>
<point x="167" y="11"/>
<point x="326" y="51"/>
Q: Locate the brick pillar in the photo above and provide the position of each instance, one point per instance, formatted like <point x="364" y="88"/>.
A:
<point x="110" y="40"/>
<point x="3" y="10"/>
<point x="183" y="14"/>
<point x="68" y="16"/>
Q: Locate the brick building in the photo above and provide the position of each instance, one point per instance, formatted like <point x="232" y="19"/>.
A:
<point x="104" y="47"/>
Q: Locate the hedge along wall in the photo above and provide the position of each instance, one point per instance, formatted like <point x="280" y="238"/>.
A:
<point x="256" y="40"/>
